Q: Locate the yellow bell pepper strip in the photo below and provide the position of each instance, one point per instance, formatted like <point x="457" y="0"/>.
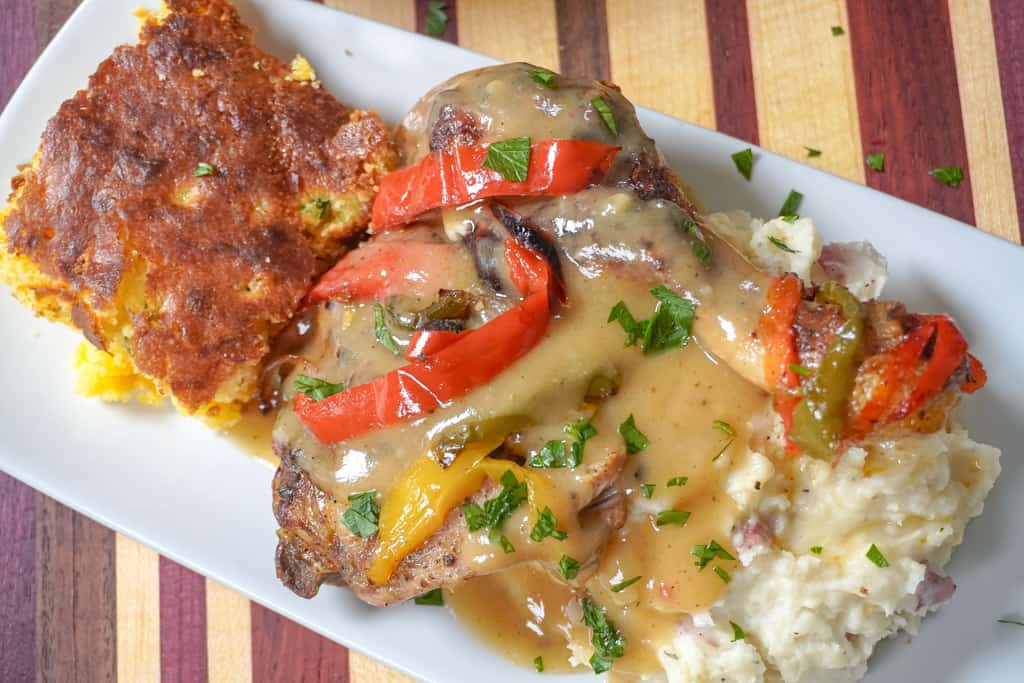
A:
<point x="417" y="505"/>
<point x="819" y="419"/>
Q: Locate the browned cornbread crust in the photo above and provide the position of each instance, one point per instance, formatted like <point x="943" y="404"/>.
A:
<point x="201" y="271"/>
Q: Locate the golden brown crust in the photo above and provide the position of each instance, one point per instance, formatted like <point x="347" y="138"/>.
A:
<point x="224" y="259"/>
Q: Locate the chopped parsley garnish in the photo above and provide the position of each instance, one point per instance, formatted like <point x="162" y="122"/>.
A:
<point x="203" y="168"/>
<point x="791" y="206"/>
<point x="545" y="526"/>
<point x="722" y="450"/>
<point x="647" y="490"/>
<point x="316" y="208"/>
<point x="1007" y="620"/>
<point x="437" y="18"/>
<point x="744" y="160"/>
<point x="496" y="510"/>
<point x="538" y="664"/>
<point x="542" y="76"/>
<point x="724" y="427"/>
<point x="676" y="517"/>
<point x="816" y="549"/>
<point x="554" y="453"/>
<point x="623" y="585"/>
<point x="317" y="389"/>
<point x="506" y="544"/>
<point x="602" y="108"/>
<point x="737" y="632"/>
<point x="635" y="440"/>
<point x="811" y="152"/>
<point x="838" y="31"/>
<point x="510" y="158"/>
<point x="800" y="370"/>
<point x="579" y="431"/>
<point x="702" y="252"/>
<point x="380" y="327"/>
<point x="551" y="454"/>
<point x="361" y="516"/>
<point x="678" y="481"/>
<point x="876" y="556"/>
<point x="608" y="642"/>
<point x="434" y="597"/>
<point x="876" y="161"/>
<point x="950" y="175"/>
<point x="708" y="552"/>
<point x="779" y="244"/>
<point x="722" y="574"/>
<point x="568" y="567"/>
<point x="669" y="328"/>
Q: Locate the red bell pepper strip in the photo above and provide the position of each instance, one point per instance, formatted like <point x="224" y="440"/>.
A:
<point x="775" y="330"/>
<point x="426" y="343"/>
<point x="380" y="270"/>
<point x="457" y="176"/>
<point x="947" y="355"/>
<point x="470" y="361"/>
<point x="901" y="362"/>
<point x="976" y="376"/>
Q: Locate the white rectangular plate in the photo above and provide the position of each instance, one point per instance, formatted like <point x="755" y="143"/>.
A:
<point x="194" y="497"/>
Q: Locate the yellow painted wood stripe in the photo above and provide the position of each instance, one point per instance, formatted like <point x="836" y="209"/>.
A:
<point x="524" y="31"/>
<point x="981" y="103"/>
<point x="400" y="13"/>
<point x="137" y="571"/>
<point x="660" y="57"/>
<point x="228" y="634"/>
<point x="804" y="83"/>
<point x="362" y="669"/>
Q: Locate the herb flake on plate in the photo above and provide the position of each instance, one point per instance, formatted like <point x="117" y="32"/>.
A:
<point x="744" y="160"/>
<point x="437" y="19"/>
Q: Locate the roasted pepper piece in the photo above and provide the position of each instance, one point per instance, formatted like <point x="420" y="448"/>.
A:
<point x="775" y="330"/>
<point x="818" y="420"/>
<point x="457" y="176"/>
<point x="471" y="360"/>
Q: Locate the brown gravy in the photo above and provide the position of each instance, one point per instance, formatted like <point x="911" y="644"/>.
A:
<point x="613" y="246"/>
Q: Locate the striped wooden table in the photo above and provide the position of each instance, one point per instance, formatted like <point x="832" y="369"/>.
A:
<point x="929" y="82"/>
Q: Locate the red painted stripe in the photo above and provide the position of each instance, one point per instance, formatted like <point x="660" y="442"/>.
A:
<point x="908" y="100"/>
<point x="732" y="72"/>
<point x="17" y="45"/>
<point x="1008" y="21"/>
<point x="583" y="39"/>
<point x="182" y="624"/>
<point x="451" y="31"/>
<point x="75" y="596"/>
<point x="283" y="652"/>
<point x="17" y="580"/>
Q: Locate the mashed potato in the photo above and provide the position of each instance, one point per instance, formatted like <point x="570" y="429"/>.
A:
<point x="811" y="603"/>
<point x="808" y="605"/>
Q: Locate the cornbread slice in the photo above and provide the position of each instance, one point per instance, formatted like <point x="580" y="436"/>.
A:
<point x="180" y="206"/>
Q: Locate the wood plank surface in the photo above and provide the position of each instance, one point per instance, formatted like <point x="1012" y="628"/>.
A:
<point x="732" y="74"/>
<point x="915" y="120"/>
<point x="661" y="58"/>
<point x="138" y="611"/>
<point x="801" y="107"/>
<point x="1008" y="30"/>
<point x="981" y="103"/>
